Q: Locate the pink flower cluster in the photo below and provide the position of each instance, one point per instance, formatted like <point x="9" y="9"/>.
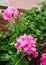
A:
<point x="7" y="14"/>
<point x="43" y="59"/>
<point x="27" y="44"/>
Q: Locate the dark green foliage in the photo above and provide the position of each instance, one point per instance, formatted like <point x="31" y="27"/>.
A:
<point x="32" y="23"/>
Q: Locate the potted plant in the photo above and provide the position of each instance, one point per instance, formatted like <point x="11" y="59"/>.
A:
<point x="22" y="45"/>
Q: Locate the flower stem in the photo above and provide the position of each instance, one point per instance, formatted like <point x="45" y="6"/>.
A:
<point x="20" y="59"/>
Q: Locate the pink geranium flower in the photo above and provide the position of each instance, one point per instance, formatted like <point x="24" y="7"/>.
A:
<point x="43" y="59"/>
<point x="7" y="15"/>
<point x="27" y="44"/>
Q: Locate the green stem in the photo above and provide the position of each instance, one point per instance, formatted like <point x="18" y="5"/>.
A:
<point x="20" y="59"/>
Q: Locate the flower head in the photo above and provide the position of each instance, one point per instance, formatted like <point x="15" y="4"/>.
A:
<point x="43" y="59"/>
<point x="27" y="44"/>
<point x="9" y="12"/>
